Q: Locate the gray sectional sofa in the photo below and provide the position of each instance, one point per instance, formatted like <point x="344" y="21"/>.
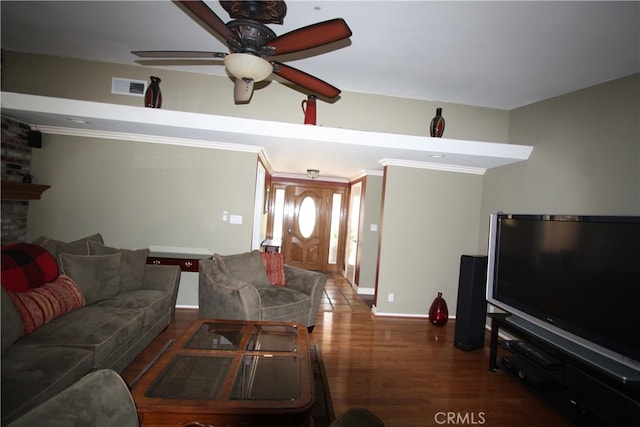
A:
<point x="127" y="303"/>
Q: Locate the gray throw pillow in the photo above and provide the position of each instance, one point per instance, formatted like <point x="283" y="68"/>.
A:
<point x="57" y="247"/>
<point x="97" y="276"/>
<point x="247" y="267"/>
<point x="132" y="264"/>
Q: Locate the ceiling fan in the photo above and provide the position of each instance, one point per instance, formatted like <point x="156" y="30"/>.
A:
<point x="251" y="44"/>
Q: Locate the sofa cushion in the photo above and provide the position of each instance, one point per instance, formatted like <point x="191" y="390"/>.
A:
<point x="100" y="398"/>
<point x="77" y="247"/>
<point x="247" y="267"/>
<point x="274" y="264"/>
<point x="102" y="329"/>
<point x="32" y="374"/>
<point x="12" y="327"/>
<point x="98" y="276"/>
<point x="279" y="302"/>
<point x="26" y="266"/>
<point x="153" y="303"/>
<point x="39" y="306"/>
<point x="132" y="263"/>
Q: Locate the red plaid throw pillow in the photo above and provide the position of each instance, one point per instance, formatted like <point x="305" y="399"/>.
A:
<point x="26" y="266"/>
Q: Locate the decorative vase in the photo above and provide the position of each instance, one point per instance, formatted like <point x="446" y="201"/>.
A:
<point x="437" y="124"/>
<point x="153" y="95"/>
<point x="309" y="110"/>
<point x="439" y="313"/>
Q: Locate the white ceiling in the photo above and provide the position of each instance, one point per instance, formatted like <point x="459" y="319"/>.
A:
<point x="492" y="54"/>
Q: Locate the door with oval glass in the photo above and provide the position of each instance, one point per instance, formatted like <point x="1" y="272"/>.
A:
<point x="309" y="219"/>
<point x="304" y="243"/>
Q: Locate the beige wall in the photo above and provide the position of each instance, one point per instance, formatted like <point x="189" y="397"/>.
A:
<point x="585" y="160"/>
<point x="183" y="91"/>
<point x="586" y="156"/>
<point x="139" y="194"/>
<point x="368" y="241"/>
<point x="430" y="218"/>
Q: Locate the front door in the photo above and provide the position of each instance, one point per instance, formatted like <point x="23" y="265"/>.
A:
<point x="309" y="217"/>
<point x="305" y="228"/>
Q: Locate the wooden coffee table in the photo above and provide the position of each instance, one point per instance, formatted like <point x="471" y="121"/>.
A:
<point x="230" y="373"/>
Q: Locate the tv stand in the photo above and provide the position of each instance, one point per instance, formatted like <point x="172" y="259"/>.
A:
<point x="591" y="395"/>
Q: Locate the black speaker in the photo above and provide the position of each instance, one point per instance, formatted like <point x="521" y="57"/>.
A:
<point x="471" y="311"/>
<point x="35" y="139"/>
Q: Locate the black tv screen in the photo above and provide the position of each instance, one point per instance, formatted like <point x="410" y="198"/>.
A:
<point x="578" y="276"/>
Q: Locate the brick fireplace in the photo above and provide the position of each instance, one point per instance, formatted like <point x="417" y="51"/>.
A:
<point x="16" y="162"/>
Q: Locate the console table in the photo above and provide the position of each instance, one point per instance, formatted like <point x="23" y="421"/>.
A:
<point x="271" y="245"/>
<point x="574" y="386"/>
<point x="187" y="258"/>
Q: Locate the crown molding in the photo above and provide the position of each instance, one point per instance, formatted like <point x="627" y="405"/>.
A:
<point x="433" y="166"/>
<point x="138" y="137"/>
<point x="306" y="178"/>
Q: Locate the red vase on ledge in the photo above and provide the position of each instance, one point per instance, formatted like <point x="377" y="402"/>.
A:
<point x="153" y="94"/>
<point x="439" y="313"/>
<point x="436" y="128"/>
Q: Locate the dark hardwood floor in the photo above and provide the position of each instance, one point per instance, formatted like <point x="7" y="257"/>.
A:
<point x="405" y="370"/>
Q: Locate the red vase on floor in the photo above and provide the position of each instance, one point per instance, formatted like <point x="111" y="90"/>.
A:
<point x="439" y="313"/>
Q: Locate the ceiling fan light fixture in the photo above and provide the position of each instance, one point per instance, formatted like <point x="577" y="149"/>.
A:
<point x="244" y="65"/>
<point x="313" y="173"/>
<point x="242" y="90"/>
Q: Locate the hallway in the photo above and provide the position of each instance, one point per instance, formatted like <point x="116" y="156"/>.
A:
<point x="340" y="296"/>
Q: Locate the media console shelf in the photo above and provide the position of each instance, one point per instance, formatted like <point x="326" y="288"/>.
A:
<point x="590" y="391"/>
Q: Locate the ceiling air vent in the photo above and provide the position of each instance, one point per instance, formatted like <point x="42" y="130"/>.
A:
<point x="121" y="86"/>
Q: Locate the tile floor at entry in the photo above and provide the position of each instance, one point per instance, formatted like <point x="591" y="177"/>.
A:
<point x="340" y="296"/>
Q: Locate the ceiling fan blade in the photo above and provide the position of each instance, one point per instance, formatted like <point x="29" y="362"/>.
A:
<point x="311" y="36"/>
<point x="177" y="54"/>
<point x="208" y="17"/>
<point x="305" y="80"/>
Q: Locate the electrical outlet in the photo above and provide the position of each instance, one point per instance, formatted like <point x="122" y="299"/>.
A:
<point x="390" y="297"/>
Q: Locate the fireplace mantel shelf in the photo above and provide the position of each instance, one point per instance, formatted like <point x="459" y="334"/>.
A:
<point x="21" y="191"/>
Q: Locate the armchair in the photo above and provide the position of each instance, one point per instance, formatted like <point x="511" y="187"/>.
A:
<point x="238" y="287"/>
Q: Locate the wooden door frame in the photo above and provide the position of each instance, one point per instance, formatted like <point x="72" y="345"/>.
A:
<point x="343" y="188"/>
<point x="360" y="231"/>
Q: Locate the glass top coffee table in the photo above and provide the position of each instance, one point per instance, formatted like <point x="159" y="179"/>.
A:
<point x="230" y="373"/>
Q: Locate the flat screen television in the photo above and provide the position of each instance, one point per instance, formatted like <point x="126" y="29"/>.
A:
<point x="577" y="278"/>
